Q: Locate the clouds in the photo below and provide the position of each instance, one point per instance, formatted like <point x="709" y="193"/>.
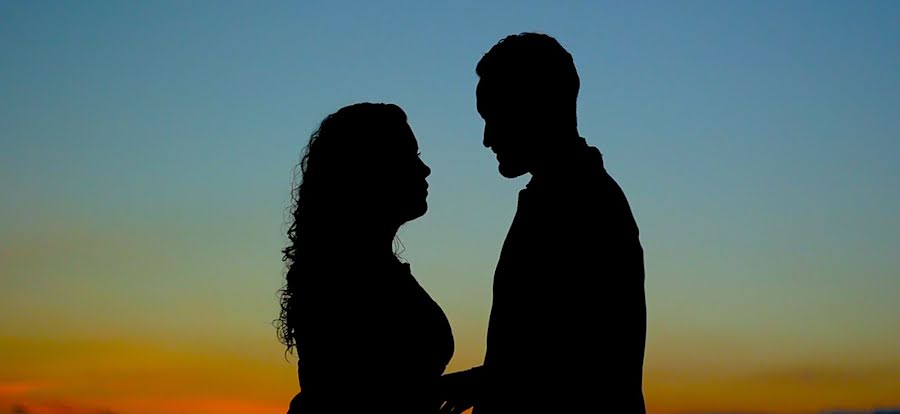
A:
<point x="189" y="405"/>
<point x="875" y="411"/>
<point x="830" y="375"/>
<point x="52" y="408"/>
<point x="872" y="411"/>
<point x="10" y="388"/>
<point x="68" y="376"/>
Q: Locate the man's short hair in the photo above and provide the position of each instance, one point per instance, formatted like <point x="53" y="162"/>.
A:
<point x="534" y="62"/>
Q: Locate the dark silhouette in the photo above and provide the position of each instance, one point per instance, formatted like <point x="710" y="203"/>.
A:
<point x="568" y="322"/>
<point x="367" y="336"/>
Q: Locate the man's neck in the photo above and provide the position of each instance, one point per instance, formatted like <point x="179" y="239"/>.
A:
<point x="558" y="159"/>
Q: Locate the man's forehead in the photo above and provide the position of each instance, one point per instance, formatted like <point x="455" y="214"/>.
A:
<point x="497" y="94"/>
<point x="486" y="93"/>
<point x="485" y="87"/>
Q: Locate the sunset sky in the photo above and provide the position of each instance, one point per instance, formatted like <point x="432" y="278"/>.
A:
<point x="147" y="149"/>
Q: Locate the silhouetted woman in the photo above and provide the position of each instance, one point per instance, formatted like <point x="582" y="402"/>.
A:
<point x="368" y="337"/>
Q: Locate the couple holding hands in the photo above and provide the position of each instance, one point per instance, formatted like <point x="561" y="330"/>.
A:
<point x="568" y="321"/>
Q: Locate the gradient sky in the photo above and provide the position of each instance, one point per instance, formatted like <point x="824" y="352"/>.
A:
<point x="146" y="156"/>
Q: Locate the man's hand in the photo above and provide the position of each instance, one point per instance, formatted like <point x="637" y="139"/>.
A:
<point x="461" y="390"/>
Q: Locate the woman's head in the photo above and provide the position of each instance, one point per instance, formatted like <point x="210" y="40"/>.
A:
<point x="361" y="178"/>
<point x="361" y="167"/>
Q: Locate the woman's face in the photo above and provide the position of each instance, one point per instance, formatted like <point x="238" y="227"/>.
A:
<point x="404" y="184"/>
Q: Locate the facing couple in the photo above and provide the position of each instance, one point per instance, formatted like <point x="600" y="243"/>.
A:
<point x="568" y="320"/>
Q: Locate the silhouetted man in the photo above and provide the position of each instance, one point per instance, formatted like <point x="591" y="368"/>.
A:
<point x="568" y="322"/>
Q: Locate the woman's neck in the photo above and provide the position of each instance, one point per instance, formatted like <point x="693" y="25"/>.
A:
<point x="370" y="242"/>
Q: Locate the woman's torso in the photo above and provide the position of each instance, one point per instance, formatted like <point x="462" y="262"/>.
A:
<point x="370" y="336"/>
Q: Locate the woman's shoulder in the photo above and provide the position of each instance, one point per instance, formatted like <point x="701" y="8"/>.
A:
<point x="356" y="276"/>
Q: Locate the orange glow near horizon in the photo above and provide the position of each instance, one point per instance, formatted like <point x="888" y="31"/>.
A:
<point x="121" y="377"/>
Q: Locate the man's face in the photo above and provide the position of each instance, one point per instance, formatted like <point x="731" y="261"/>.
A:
<point x="508" y="128"/>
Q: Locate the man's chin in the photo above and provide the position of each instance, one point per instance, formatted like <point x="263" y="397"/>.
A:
<point x="511" y="171"/>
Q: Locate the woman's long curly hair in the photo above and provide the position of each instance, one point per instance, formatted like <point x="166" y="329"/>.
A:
<point x="344" y="148"/>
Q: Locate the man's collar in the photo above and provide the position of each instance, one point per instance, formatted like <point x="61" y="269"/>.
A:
<point x="570" y="164"/>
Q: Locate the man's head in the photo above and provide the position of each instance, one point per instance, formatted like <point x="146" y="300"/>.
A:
<point x="526" y="95"/>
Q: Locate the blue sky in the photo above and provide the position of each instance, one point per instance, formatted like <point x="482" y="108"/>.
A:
<point x="146" y="155"/>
